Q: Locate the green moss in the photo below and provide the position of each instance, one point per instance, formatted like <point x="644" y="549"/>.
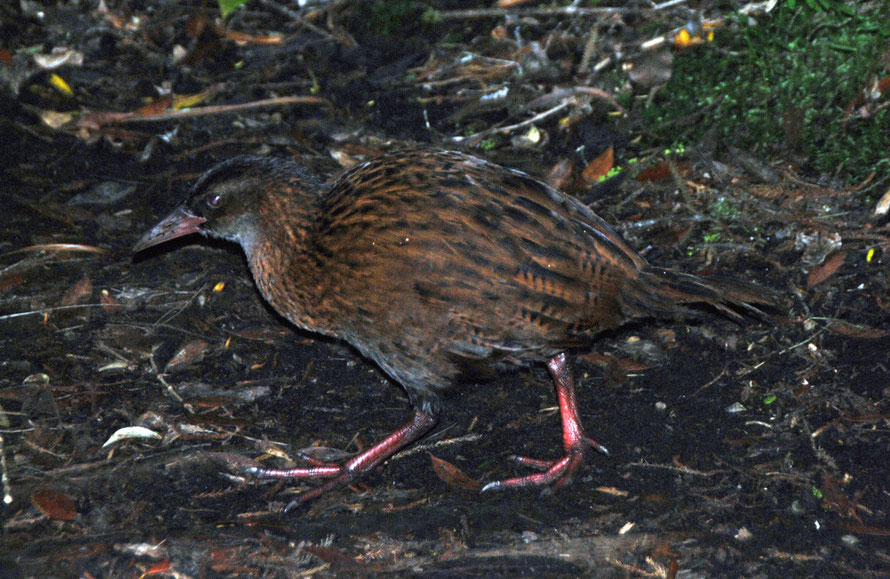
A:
<point x="488" y="144"/>
<point x="724" y="208"/>
<point x="391" y="17"/>
<point x="795" y="62"/>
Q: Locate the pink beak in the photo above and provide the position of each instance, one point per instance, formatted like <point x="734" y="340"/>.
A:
<point x="180" y="222"/>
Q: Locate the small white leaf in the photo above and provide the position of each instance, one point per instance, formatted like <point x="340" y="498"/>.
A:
<point x="131" y="432"/>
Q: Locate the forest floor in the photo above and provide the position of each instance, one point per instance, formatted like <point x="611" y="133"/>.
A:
<point x="751" y="449"/>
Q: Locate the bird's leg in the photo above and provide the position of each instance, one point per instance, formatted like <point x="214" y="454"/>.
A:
<point x="557" y="472"/>
<point x="358" y="465"/>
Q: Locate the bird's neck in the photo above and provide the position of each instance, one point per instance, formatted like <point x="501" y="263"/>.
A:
<point x="287" y="273"/>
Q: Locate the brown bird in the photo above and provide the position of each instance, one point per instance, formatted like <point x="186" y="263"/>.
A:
<point x="438" y="265"/>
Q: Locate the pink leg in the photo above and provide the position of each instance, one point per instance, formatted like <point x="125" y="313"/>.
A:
<point x="574" y="441"/>
<point x="355" y="467"/>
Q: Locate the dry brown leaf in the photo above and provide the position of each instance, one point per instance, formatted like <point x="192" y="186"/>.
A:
<point x="78" y="293"/>
<point x="600" y="166"/>
<point x="109" y="303"/>
<point x="561" y="175"/>
<point x="191" y="353"/>
<point x="160" y="568"/>
<point x="662" y="171"/>
<point x="453" y="476"/>
<point x="10" y="280"/>
<point x="658" y="172"/>
<point x="161" y="105"/>
<point x="826" y="269"/>
<point x="856" y="330"/>
<point x="54" y="504"/>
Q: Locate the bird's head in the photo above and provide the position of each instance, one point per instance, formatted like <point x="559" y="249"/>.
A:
<point x="237" y="200"/>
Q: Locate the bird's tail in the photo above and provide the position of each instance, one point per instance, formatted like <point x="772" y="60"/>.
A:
<point x="663" y="292"/>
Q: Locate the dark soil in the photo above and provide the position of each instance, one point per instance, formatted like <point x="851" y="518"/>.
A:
<point x="757" y="449"/>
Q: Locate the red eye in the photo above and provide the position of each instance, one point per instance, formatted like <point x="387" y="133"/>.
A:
<point x="214" y="201"/>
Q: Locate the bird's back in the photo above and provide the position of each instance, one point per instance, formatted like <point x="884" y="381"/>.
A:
<point x="441" y="253"/>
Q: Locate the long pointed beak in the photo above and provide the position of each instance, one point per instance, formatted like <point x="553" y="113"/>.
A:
<point x="180" y="222"/>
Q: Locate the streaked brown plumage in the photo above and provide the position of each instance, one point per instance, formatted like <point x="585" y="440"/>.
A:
<point x="438" y="265"/>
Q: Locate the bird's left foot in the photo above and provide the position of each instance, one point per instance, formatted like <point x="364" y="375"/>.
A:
<point x="338" y="475"/>
<point x="556" y="472"/>
<point x="577" y="445"/>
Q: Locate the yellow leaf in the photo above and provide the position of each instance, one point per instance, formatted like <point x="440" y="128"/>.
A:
<point x="58" y="83"/>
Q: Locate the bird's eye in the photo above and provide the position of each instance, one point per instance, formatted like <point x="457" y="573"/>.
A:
<point x="214" y="201"/>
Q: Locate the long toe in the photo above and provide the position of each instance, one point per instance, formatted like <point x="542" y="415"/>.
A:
<point x="556" y="472"/>
<point x="559" y="473"/>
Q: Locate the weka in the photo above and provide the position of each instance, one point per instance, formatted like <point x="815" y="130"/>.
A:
<point x="435" y="265"/>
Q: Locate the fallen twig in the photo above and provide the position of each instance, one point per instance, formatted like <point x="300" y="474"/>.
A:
<point x="474" y="140"/>
<point x="526" y="12"/>
<point x="97" y="120"/>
